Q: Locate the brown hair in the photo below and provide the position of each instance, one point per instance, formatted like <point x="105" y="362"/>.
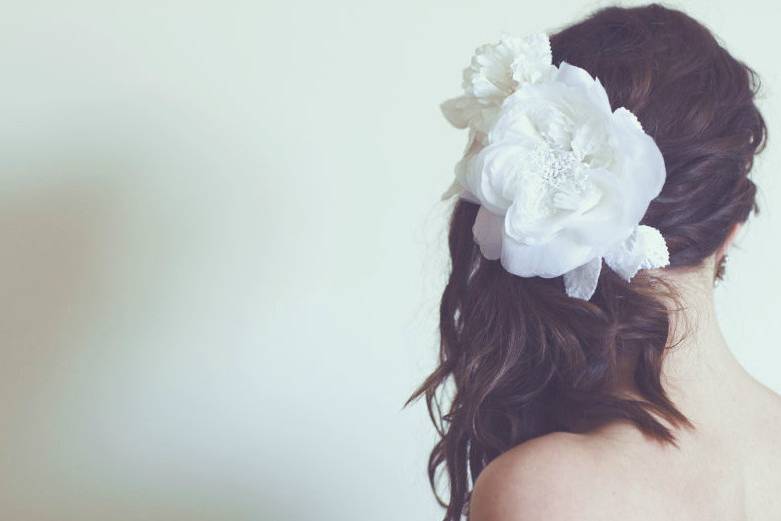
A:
<point x="524" y="359"/>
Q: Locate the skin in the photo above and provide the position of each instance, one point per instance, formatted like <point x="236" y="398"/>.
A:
<point x="727" y="469"/>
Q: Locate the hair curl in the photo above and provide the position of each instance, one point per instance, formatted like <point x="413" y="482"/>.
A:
<point x="524" y="359"/>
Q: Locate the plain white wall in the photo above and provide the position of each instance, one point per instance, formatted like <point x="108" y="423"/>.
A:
<point x="222" y="249"/>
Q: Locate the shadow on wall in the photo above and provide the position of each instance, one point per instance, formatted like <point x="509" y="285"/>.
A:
<point x="52" y="230"/>
<point x="61" y="417"/>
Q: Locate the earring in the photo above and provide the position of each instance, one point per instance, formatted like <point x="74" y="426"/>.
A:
<point x="720" y="269"/>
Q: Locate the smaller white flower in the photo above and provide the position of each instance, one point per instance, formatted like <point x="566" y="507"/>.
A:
<point x="496" y="71"/>
<point x="562" y="180"/>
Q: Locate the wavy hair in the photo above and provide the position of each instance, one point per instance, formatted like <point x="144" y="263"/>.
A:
<point x="519" y="357"/>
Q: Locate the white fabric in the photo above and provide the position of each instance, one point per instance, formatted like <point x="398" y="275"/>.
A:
<point x="582" y="281"/>
<point x="495" y="72"/>
<point x="645" y="248"/>
<point x="562" y="180"/>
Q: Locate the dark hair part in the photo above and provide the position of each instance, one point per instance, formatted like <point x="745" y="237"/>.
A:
<point x="523" y="358"/>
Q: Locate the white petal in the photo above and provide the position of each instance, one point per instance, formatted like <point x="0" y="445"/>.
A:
<point x="487" y="231"/>
<point x="624" y="258"/>
<point x="460" y="111"/>
<point x="579" y="77"/>
<point x="454" y="189"/>
<point x="573" y="76"/>
<point x="654" y="248"/>
<point x="532" y="62"/>
<point x="474" y="142"/>
<point x="610" y="220"/>
<point x="489" y="174"/>
<point x="582" y="281"/>
<point x="645" y="248"/>
<point x="639" y="158"/>
<point x="549" y="259"/>
<point x="513" y="123"/>
<point x="529" y="229"/>
<point x="459" y="184"/>
<point x="590" y="144"/>
<point x="623" y="112"/>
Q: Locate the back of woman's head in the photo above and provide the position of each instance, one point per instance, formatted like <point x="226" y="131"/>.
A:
<point x="523" y="358"/>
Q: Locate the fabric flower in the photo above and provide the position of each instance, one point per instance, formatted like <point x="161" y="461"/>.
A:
<point x="495" y="72"/>
<point x="562" y="180"/>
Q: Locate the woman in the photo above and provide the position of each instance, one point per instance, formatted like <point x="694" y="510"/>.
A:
<point x="590" y="379"/>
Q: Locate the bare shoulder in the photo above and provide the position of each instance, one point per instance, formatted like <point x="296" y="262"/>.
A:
<point x="767" y="419"/>
<point x="767" y="411"/>
<point x="555" y="477"/>
<point x="761" y="449"/>
<point x="775" y="400"/>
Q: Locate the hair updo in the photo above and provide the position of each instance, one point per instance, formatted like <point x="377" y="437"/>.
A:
<point x="523" y="358"/>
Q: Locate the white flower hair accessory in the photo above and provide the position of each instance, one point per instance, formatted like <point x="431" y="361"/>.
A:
<point x="561" y="179"/>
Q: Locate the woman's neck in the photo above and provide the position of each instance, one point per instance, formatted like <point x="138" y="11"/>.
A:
<point x="700" y="374"/>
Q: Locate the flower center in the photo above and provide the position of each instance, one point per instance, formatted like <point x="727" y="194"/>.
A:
<point x="559" y="180"/>
<point x="552" y="182"/>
